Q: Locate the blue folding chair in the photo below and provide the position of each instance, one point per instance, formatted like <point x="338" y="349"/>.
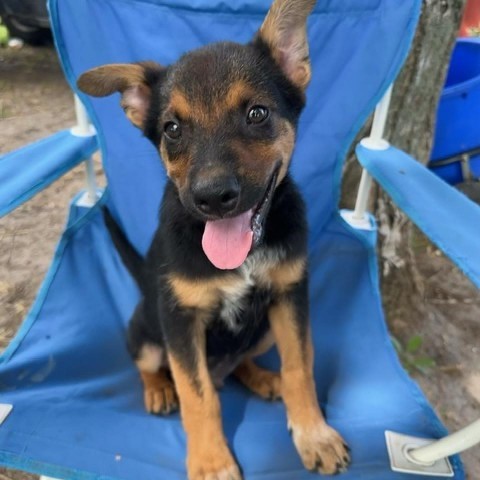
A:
<point x="71" y="397"/>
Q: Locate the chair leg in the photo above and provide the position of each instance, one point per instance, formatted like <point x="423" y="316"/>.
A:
<point x="424" y="456"/>
<point x="359" y="218"/>
<point x="457" y="442"/>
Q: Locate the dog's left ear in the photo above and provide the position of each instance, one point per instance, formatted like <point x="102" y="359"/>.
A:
<point x="284" y="31"/>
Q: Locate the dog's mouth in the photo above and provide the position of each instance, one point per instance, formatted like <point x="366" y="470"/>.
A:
<point x="227" y="242"/>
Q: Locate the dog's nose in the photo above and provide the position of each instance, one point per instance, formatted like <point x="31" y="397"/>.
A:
<point x="217" y="196"/>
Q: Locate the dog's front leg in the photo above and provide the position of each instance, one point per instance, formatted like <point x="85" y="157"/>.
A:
<point x="320" y="446"/>
<point x="208" y="456"/>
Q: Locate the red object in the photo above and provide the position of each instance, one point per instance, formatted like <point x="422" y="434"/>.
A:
<point x="470" y="26"/>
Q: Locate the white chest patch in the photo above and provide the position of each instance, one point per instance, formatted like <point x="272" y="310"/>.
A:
<point x="253" y="273"/>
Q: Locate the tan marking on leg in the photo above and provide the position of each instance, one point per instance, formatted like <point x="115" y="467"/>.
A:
<point x="298" y="385"/>
<point x="320" y="447"/>
<point x="263" y="382"/>
<point x="208" y="456"/>
<point x="202" y="293"/>
<point x="286" y="274"/>
<point x="160" y="396"/>
<point x="150" y="358"/>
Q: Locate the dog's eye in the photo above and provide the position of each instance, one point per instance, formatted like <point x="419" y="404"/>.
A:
<point x="257" y="114"/>
<point x="172" y="130"/>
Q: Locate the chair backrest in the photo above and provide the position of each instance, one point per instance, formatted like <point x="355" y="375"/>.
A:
<point x="356" y="46"/>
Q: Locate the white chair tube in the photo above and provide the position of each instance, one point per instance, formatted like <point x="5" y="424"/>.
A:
<point x="363" y="195"/>
<point x="90" y="178"/>
<point x="380" y="117"/>
<point x="452" y="444"/>
<point x="374" y="141"/>
<point x="83" y="127"/>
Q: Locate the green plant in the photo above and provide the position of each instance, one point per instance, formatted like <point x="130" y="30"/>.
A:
<point x="411" y="356"/>
<point x="4" y="35"/>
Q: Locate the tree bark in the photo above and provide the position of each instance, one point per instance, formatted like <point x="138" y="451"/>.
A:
<point x="410" y="126"/>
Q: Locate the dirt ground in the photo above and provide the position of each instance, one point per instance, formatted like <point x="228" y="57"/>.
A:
<point x="35" y="101"/>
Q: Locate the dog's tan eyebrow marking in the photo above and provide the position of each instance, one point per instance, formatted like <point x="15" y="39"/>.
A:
<point x="238" y="93"/>
<point x="180" y="105"/>
<point x="193" y="109"/>
<point x="210" y="114"/>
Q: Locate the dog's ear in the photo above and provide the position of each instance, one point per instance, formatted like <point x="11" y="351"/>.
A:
<point x="284" y="32"/>
<point x="133" y="80"/>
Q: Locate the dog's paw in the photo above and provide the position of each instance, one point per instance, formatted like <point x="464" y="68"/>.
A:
<point x="161" y="398"/>
<point x="228" y="473"/>
<point x="267" y="385"/>
<point x="214" y="467"/>
<point x="264" y="383"/>
<point x="321" y="449"/>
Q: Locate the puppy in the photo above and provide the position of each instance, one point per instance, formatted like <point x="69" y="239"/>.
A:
<point x="226" y="275"/>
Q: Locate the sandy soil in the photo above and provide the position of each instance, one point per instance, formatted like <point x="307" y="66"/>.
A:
<point x="35" y="101"/>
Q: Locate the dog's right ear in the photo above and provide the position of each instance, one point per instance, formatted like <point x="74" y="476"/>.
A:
<point x="284" y="32"/>
<point x="133" y="80"/>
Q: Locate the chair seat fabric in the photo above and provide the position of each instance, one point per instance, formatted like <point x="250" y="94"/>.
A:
<point x="77" y="398"/>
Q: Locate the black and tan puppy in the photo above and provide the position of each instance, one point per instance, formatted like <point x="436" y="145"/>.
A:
<point x="226" y="274"/>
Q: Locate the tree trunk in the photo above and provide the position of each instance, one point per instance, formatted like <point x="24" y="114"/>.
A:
<point x="410" y="126"/>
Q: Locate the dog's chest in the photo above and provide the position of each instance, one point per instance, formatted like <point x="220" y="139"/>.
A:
<point x="254" y="275"/>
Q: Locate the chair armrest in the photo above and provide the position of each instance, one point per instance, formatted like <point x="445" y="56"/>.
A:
<point x="449" y="218"/>
<point x="26" y="171"/>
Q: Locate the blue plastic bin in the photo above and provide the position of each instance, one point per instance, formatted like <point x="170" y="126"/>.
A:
<point x="458" y="118"/>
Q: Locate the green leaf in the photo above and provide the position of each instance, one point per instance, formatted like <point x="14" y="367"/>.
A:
<point x="414" y="344"/>
<point x="424" y="364"/>
<point x="396" y="344"/>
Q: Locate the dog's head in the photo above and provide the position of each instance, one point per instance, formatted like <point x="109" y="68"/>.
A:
<point x="224" y="119"/>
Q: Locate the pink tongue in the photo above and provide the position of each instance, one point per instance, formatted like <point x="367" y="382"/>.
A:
<point x="227" y="242"/>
